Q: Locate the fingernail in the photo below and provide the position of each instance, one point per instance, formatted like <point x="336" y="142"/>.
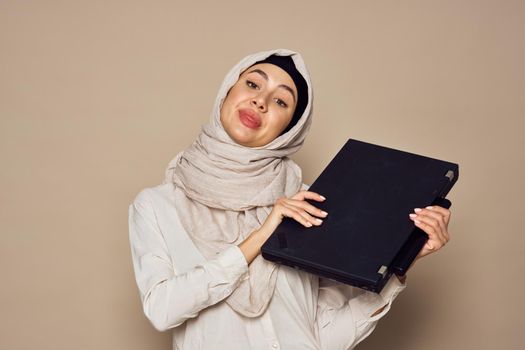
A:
<point x="417" y="210"/>
<point x="309" y="224"/>
<point x="319" y="221"/>
<point x="429" y="207"/>
<point x="322" y="197"/>
<point x="412" y="215"/>
<point x="324" y="213"/>
<point x="417" y="222"/>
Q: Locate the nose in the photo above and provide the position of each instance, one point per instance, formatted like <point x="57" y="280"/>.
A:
<point x="259" y="102"/>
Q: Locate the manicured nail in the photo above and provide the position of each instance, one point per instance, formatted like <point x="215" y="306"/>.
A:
<point x="412" y="215"/>
<point x="417" y="210"/>
<point x="324" y="213"/>
<point x="322" y="197"/>
<point x="309" y="224"/>
<point x="319" y="220"/>
<point x="417" y="222"/>
<point x="429" y="207"/>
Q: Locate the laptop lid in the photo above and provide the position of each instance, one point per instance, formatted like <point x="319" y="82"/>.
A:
<point x="370" y="191"/>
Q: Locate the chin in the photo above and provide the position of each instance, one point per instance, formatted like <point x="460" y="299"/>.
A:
<point x="242" y="137"/>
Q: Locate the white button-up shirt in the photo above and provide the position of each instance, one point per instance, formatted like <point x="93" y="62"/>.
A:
<point x="182" y="291"/>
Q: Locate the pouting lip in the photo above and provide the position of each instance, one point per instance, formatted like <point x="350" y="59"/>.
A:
<point x="249" y="118"/>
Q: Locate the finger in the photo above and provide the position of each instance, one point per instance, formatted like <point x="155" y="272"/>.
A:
<point x="307" y="207"/>
<point x="302" y="195"/>
<point x="294" y="214"/>
<point x="434" y="219"/>
<point x="443" y="211"/>
<point x="434" y="240"/>
<point x="309" y="218"/>
<point x="443" y="232"/>
<point x="427" y="249"/>
<point x="430" y="226"/>
<point x="441" y="214"/>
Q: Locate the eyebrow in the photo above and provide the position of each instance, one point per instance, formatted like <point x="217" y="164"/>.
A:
<point x="265" y="76"/>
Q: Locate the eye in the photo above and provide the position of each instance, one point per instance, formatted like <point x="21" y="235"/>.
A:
<point x="251" y="84"/>
<point x="281" y="103"/>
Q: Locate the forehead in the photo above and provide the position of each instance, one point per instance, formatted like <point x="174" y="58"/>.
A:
<point x="274" y="73"/>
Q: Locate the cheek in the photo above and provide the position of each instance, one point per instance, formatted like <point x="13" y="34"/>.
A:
<point x="281" y="121"/>
<point x="224" y="114"/>
<point x="286" y="117"/>
<point x="234" y="94"/>
<point x="227" y="104"/>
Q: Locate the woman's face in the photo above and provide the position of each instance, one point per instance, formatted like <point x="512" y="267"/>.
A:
<point x="259" y="106"/>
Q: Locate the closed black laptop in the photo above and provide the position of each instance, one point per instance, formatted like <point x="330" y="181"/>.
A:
<point x="367" y="235"/>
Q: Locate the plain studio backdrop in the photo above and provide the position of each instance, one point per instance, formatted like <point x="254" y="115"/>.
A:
<point x="97" y="96"/>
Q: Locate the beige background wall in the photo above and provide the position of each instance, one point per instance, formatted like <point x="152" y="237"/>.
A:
<point x="97" y="96"/>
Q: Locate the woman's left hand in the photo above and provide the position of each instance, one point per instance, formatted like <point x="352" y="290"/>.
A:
<point x="433" y="221"/>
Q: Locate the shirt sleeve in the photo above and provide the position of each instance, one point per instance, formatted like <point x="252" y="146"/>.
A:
<point x="344" y="313"/>
<point x="169" y="299"/>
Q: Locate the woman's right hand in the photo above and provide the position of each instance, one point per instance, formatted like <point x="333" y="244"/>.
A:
<point x="297" y="208"/>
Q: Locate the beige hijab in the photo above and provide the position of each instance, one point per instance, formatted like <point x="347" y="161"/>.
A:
<point x="224" y="191"/>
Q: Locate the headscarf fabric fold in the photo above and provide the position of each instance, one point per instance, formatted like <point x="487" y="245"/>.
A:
<point x="224" y="191"/>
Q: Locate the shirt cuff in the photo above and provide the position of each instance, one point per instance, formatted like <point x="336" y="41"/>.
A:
<point x="389" y="292"/>
<point x="368" y="302"/>
<point x="234" y="263"/>
<point x="392" y="288"/>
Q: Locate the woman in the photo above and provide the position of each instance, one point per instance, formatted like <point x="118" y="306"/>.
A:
<point x="196" y="239"/>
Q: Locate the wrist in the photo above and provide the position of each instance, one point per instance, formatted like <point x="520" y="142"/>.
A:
<point x="251" y="246"/>
<point x="264" y="232"/>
